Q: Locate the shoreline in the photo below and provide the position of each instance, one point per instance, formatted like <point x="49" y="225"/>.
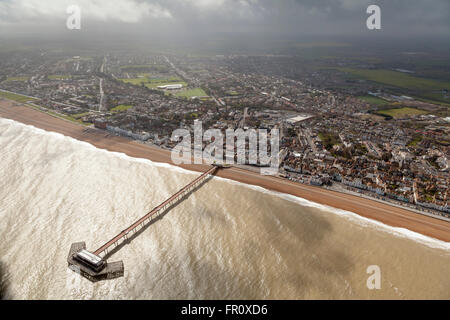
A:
<point x="390" y="215"/>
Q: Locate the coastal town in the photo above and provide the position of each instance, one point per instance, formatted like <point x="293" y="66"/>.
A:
<point x="363" y="139"/>
<point x="224" y="155"/>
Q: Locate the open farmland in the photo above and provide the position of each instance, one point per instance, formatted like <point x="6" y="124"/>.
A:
<point x="424" y="89"/>
<point x="398" y="79"/>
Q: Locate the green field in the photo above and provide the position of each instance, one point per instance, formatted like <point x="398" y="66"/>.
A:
<point x="58" y="77"/>
<point x="122" y="107"/>
<point x="24" y="78"/>
<point x="373" y="100"/>
<point x="415" y="141"/>
<point x="401" y="112"/>
<point x="434" y="98"/>
<point x="80" y="115"/>
<point x="15" y="97"/>
<point x="168" y="80"/>
<point x="190" y="93"/>
<point x="398" y="79"/>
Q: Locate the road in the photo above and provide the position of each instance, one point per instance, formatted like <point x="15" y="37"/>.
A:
<point x="102" y="96"/>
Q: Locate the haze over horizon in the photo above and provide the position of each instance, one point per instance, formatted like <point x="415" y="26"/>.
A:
<point x="205" y="18"/>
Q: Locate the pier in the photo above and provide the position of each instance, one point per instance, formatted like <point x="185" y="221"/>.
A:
<point x="93" y="265"/>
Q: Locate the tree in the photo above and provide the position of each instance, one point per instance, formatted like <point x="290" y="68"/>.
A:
<point x="386" y="156"/>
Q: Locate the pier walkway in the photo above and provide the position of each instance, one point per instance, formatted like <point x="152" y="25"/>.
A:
<point x="142" y="222"/>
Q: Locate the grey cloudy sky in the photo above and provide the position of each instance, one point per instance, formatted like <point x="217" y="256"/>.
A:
<point x="292" y="17"/>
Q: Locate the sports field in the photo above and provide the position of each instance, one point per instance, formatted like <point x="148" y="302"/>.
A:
<point x="59" y="77"/>
<point x="401" y="112"/>
<point x="373" y="100"/>
<point x="190" y="93"/>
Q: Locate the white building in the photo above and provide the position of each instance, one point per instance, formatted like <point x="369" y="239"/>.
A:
<point x="298" y="118"/>
<point x="171" y="86"/>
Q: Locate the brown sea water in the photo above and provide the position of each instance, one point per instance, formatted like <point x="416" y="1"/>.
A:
<point x="225" y="241"/>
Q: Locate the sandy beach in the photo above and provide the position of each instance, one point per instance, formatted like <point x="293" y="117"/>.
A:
<point x="371" y="209"/>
